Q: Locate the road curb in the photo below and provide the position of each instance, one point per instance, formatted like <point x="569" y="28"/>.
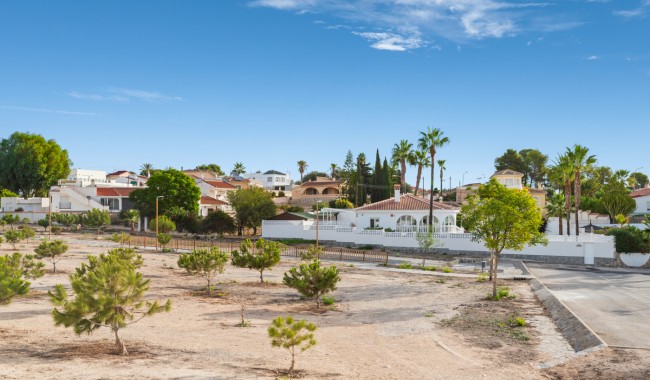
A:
<point x="574" y="330"/>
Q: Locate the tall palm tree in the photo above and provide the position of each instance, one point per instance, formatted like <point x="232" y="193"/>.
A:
<point x="146" y="169"/>
<point x="431" y="140"/>
<point x="441" y="164"/>
<point x="403" y="153"/>
<point x="422" y="160"/>
<point x="239" y="168"/>
<point x="555" y="207"/>
<point x="581" y="161"/>
<point x="334" y="169"/>
<point x="564" y="174"/>
<point x="302" y="165"/>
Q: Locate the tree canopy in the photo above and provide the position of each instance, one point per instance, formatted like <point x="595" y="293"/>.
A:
<point x="211" y="167"/>
<point x="251" y="207"/>
<point x="176" y="189"/>
<point x="30" y="165"/>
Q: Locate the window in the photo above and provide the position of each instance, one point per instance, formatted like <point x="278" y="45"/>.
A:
<point x="536" y="200"/>
<point x="406" y="223"/>
<point x="374" y="222"/>
<point x="269" y="179"/>
<point x="112" y="203"/>
<point x="647" y="206"/>
<point x="509" y="182"/>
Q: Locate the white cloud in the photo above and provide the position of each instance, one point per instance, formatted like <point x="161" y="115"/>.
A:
<point x="455" y="20"/>
<point x="123" y="95"/>
<point x="592" y="58"/>
<point x="390" y="41"/>
<point x="47" y="110"/>
<point x="640" y="11"/>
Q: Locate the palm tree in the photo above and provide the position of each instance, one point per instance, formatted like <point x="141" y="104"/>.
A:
<point x="441" y="164"/>
<point x="555" y="207"/>
<point x="334" y="168"/>
<point x="146" y="169"/>
<point x="402" y="153"/>
<point x="131" y="216"/>
<point x="422" y="160"/>
<point x="563" y="173"/>
<point x="302" y="165"/>
<point x="239" y="168"/>
<point x="431" y="140"/>
<point x="581" y="161"/>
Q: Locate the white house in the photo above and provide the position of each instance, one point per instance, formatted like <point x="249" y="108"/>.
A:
<point x="642" y="199"/>
<point x="273" y="180"/>
<point x="210" y="204"/>
<point x="11" y="204"/>
<point x="215" y="189"/>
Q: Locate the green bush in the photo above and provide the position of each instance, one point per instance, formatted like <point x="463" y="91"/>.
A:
<point x="629" y="239"/>
<point x="502" y="293"/>
<point x="405" y="265"/>
<point x="446" y="270"/>
<point x="428" y="268"/>
<point x="328" y="300"/>
<point x="482" y="277"/>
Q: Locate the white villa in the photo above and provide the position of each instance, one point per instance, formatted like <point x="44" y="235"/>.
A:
<point x="272" y="180"/>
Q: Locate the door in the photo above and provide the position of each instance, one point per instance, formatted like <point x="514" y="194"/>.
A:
<point x="589" y="253"/>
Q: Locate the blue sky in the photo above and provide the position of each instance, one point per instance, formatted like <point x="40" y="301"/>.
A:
<point x="271" y="82"/>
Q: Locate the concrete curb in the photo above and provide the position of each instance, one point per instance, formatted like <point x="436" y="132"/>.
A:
<point x="574" y="330"/>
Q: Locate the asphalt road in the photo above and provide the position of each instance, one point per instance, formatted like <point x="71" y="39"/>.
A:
<point x="614" y="304"/>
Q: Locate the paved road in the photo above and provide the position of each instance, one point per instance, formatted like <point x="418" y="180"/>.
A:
<point x="613" y="303"/>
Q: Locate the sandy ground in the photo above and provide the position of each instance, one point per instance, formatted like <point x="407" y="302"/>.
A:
<point x="384" y="325"/>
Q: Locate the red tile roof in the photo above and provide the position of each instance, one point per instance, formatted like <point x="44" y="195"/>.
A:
<point x="640" y="192"/>
<point x="114" y="191"/>
<point x="205" y="200"/>
<point x="407" y="202"/>
<point x="220" y="184"/>
<point x="119" y="173"/>
<point x="321" y="183"/>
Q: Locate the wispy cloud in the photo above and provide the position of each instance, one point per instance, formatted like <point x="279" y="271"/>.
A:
<point x="640" y="11"/>
<point x="410" y="24"/>
<point x="592" y="58"/>
<point x="123" y="95"/>
<point x="46" y="110"/>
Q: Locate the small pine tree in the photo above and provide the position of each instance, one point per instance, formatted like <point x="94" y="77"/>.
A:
<point x="312" y="253"/>
<point x="265" y="255"/>
<point x="52" y="251"/>
<point x="44" y="223"/>
<point x="108" y="292"/>
<point x="204" y="263"/>
<point x="28" y="233"/>
<point x="291" y="335"/>
<point x="11" y="219"/>
<point x="164" y="239"/>
<point x="14" y="237"/>
<point x="96" y="218"/>
<point x="165" y="224"/>
<point x="311" y="280"/>
<point x="13" y="269"/>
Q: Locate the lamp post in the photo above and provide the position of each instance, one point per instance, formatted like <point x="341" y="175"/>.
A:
<point x="317" y="202"/>
<point x="49" y="220"/>
<point x="158" y="197"/>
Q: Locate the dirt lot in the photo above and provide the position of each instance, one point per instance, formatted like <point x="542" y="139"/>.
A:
<point x="384" y="325"/>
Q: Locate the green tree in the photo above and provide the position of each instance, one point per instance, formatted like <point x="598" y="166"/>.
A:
<point x="44" y="223"/>
<point x="313" y="175"/>
<point x="146" y="169"/>
<point x="302" y="166"/>
<point x="219" y="222"/>
<point x="312" y="280"/>
<point x="501" y="219"/>
<point x="186" y="221"/>
<point x="239" y="168"/>
<point x="108" y="292"/>
<point x="441" y="165"/>
<point x="512" y="160"/>
<point x="14" y="237"/>
<point x="334" y="170"/>
<point x="403" y="153"/>
<point x="342" y="203"/>
<point x="96" y="218"/>
<point x="11" y="219"/>
<point x="640" y="179"/>
<point x="431" y="140"/>
<point x="27" y="233"/>
<point x="422" y="160"/>
<point x="292" y="335"/>
<point x="555" y="207"/>
<point x="52" y="251"/>
<point x="176" y="189"/>
<point x="25" y="265"/>
<point x="211" y="167"/>
<point x="165" y="224"/>
<point x="563" y="173"/>
<point x="13" y="271"/>
<point x="30" y="165"/>
<point x="67" y="219"/>
<point x="261" y="256"/>
<point x="616" y="200"/>
<point x="581" y="161"/>
<point x="251" y="207"/>
<point x="131" y="217"/>
<point x="377" y="193"/>
<point x="5" y="193"/>
<point x="204" y="263"/>
<point x="164" y="239"/>
<point x="534" y="166"/>
<point x="426" y="241"/>
<point x="346" y="174"/>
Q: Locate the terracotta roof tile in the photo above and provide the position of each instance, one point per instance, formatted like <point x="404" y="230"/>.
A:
<point x="205" y="200"/>
<point x="115" y="191"/>
<point x="407" y="202"/>
<point x="640" y="192"/>
<point x="220" y="184"/>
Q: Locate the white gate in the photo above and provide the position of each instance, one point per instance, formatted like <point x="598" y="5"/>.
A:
<point x="589" y="253"/>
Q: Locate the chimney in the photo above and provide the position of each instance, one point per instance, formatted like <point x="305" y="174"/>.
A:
<point x="397" y="194"/>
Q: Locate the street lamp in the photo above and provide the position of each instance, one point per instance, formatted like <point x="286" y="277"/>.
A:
<point x="158" y="197"/>
<point x="317" y="202"/>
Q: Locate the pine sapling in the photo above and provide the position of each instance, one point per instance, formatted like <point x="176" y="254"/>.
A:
<point x="52" y="251"/>
<point x="292" y="335"/>
<point x="312" y="280"/>
<point x="263" y="255"/>
<point x="204" y="263"/>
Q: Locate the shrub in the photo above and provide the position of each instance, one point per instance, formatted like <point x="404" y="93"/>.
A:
<point x="24" y="265"/>
<point x="446" y="270"/>
<point x="165" y="224"/>
<point x="28" y="233"/>
<point x="52" y="251"/>
<point x="122" y="238"/>
<point x="328" y="300"/>
<point x="428" y="268"/>
<point x="281" y="193"/>
<point x="312" y="253"/>
<point x="108" y="292"/>
<point x="482" y="277"/>
<point x="218" y="222"/>
<point x="629" y="239"/>
<point x="164" y="239"/>
<point x="204" y="263"/>
<point x="516" y="321"/>
<point x="44" y="223"/>
<point x="311" y="280"/>
<point x="503" y="292"/>
<point x="56" y="230"/>
<point x="13" y="237"/>
<point x="11" y="219"/>
<point x="291" y="335"/>
<point x="264" y="255"/>
<point x="405" y="265"/>
<point x="96" y="218"/>
<point x="12" y="283"/>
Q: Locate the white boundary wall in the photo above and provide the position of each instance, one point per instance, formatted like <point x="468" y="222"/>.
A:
<point x="561" y="246"/>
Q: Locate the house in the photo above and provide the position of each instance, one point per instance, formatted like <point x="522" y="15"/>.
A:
<point x="127" y="178"/>
<point x="217" y="189"/>
<point x="82" y="199"/>
<point x="294" y="216"/>
<point x="407" y="213"/>
<point x="84" y="178"/>
<point x="209" y="204"/>
<point x="14" y="204"/>
<point x="322" y="189"/>
<point x="642" y="199"/>
<point x="272" y="180"/>
<point x="207" y="175"/>
<point x="242" y="183"/>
